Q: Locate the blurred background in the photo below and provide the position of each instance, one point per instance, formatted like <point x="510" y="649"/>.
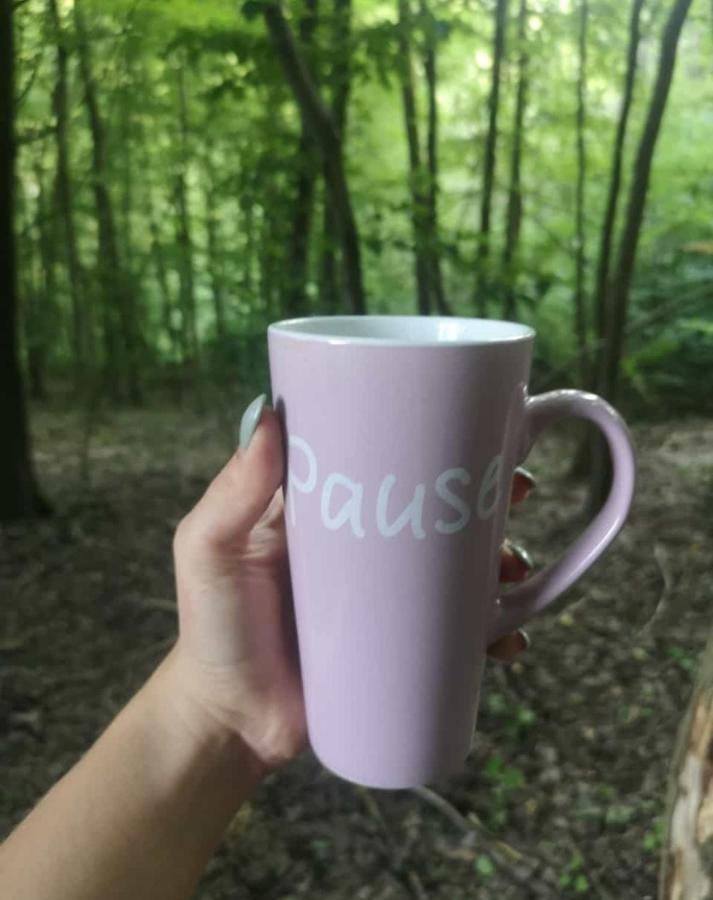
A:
<point x="176" y="175"/>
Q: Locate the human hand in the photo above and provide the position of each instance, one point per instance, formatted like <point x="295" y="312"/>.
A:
<point x="236" y="657"/>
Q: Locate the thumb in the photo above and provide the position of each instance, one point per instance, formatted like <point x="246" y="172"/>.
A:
<point x="241" y="492"/>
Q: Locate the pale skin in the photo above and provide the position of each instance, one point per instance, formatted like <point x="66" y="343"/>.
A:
<point x="140" y="815"/>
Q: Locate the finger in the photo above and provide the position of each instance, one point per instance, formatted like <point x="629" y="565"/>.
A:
<point x="508" y="648"/>
<point x="242" y="491"/>
<point x="523" y="483"/>
<point x="515" y="562"/>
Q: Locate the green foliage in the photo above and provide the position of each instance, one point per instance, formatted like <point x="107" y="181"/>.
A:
<point x="506" y="781"/>
<point x="515" y="720"/>
<point x="572" y="878"/>
<point x="484" y="866"/>
<point x="237" y="151"/>
<point x="683" y="659"/>
<point x="654" y="837"/>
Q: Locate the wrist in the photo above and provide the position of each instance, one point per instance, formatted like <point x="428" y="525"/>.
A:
<point x="203" y="740"/>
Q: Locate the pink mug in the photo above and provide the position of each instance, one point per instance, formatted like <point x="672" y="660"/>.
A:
<point x="402" y="435"/>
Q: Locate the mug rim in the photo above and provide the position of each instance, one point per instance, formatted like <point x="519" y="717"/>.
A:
<point x="418" y="331"/>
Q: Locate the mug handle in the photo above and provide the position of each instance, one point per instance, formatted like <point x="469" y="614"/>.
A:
<point x="538" y="591"/>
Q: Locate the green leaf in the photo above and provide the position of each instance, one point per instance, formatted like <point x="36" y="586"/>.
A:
<point x="484" y="866"/>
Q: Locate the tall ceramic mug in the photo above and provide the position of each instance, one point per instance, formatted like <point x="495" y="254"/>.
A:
<point x="402" y="435"/>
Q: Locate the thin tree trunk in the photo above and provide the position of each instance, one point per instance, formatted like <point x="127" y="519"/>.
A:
<point x="417" y="185"/>
<point x="295" y="300"/>
<point x="686" y="864"/>
<point x="607" y="231"/>
<point x="159" y="261"/>
<point x="430" y="67"/>
<point x="580" y="262"/>
<point x="617" y="300"/>
<point x="247" y="280"/>
<point x="486" y="199"/>
<point x="329" y="290"/>
<point x="121" y="335"/>
<point x="31" y="292"/>
<point x="295" y="287"/>
<point x="591" y="458"/>
<point x="19" y="495"/>
<point x="126" y="104"/>
<point x="81" y="337"/>
<point x="340" y="81"/>
<point x="215" y="264"/>
<point x="319" y="120"/>
<point x="626" y="259"/>
<point x="513" y="215"/>
<point x="186" y="273"/>
<point x="37" y="344"/>
<point x="266" y="260"/>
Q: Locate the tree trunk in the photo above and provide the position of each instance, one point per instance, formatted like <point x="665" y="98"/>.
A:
<point x="186" y="273"/>
<point x="81" y="337"/>
<point x="246" y="279"/>
<point x="318" y="119"/>
<point x="417" y="182"/>
<point x="329" y="281"/>
<point x="580" y="261"/>
<point x="44" y="301"/>
<point x="617" y="300"/>
<point x="295" y="300"/>
<point x="686" y="865"/>
<point x="215" y="263"/>
<point x="121" y="335"/>
<point x="622" y="275"/>
<point x="607" y="231"/>
<point x="592" y="457"/>
<point x="430" y="68"/>
<point x="340" y="81"/>
<point x="163" y="286"/>
<point x="19" y="495"/>
<point x="266" y="260"/>
<point x="31" y="287"/>
<point x="513" y="215"/>
<point x="486" y="199"/>
<point x="126" y="139"/>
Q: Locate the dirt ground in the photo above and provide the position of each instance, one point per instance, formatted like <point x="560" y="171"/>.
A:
<point x="564" y="791"/>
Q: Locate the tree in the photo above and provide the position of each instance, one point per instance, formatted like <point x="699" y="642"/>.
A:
<point x="305" y="165"/>
<point x="617" y="296"/>
<point x="686" y="870"/>
<point x="618" y="300"/>
<point x="215" y="264"/>
<point x="491" y="139"/>
<point x="513" y="215"/>
<point x="184" y="240"/>
<point x="39" y="312"/>
<point x="580" y="260"/>
<point x="607" y="229"/>
<point x="430" y="67"/>
<point x="317" y="117"/>
<point x="417" y="184"/>
<point x="121" y="334"/>
<point x="81" y="336"/>
<point x="340" y="81"/>
<point x="19" y="494"/>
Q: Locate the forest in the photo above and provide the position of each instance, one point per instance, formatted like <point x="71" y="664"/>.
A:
<point x="174" y="176"/>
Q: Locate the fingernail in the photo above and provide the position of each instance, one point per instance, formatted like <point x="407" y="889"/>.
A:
<point x="521" y="555"/>
<point x="527" y="475"/>
<point x="250" y="420"/>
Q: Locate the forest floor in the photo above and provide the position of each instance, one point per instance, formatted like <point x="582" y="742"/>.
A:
<point x="564" y="791"/>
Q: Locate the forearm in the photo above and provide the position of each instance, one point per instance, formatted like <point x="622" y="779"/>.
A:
<point x="140" y="815"/>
